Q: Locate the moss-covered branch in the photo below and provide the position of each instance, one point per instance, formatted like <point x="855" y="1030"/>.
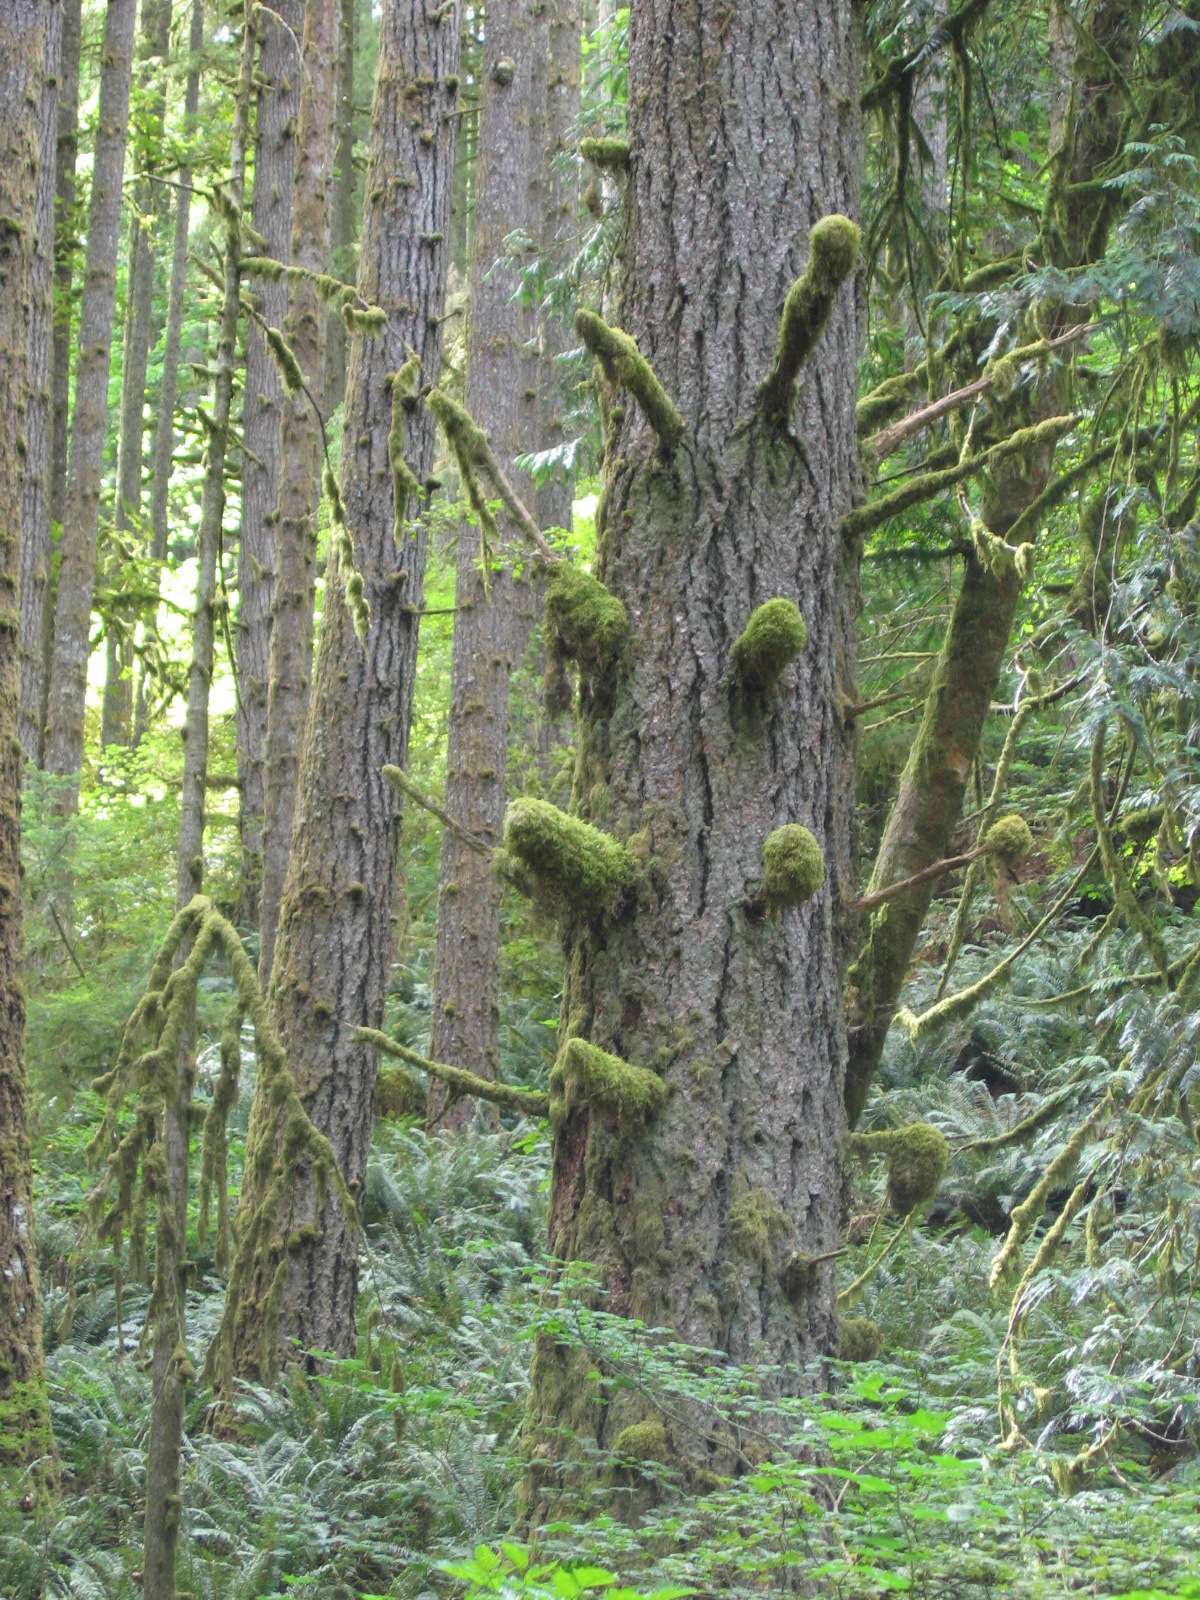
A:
<point x="833" y="246"/>
<point x="532" y="1102"/>
<point x="564" y="861"/>
<point x="405" y="488"/>
<point x="1009" y="841"/>
<point x="608" y="154"/>
<point x="917" y="1156"/>
<point x="626" y="367"/>
<point x="400" y="781"/>
<point x="1126" y="900"/>
<point x="609" y="1087"/>
<point x="474" y="454"/>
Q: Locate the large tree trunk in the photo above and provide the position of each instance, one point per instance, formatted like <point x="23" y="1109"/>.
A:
<point x="701" y="1176"/>
<point x="35" y="504"/>
<point x="24" y="1415"/>
<point x="335" y="927"/>
<point x="495" y="611"/>
<point x="116" y="712"/>
<point x="933" y="783"/>
<point x="271" y="215"/>
<point x="81" y="519"/>
<point x="163" y="452"/>
<point x="65" y="244"/>
<point x="341" y="225"/>
<point x="300" y="461"/>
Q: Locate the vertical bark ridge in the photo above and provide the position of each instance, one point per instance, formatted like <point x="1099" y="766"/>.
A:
<point x="341" y="211"/>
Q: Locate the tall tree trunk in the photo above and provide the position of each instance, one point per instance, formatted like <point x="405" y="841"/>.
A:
<point x="341" y="229"/>
<point x="24" y="1414"/>
<point x="35" y="503"/>
<point x="495" y="610"/>
<point x="697" y="1100"/>
<point x="171" y="1365"/>
<point x="278" y="106"/>
<point x="116" y="712"/>
<point x="163" y="452"/>
<point x="300" y="461"/>
<point x="65" y="246"/>
<point x="933" y="783"/>
<point x="334" y="940"/>
<point x="81" y="519"/>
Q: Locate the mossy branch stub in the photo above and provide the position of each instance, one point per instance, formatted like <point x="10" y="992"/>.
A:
<point x="626" y="367"/>
<point x="566" y="861"/>
<point x="833" y="246"/>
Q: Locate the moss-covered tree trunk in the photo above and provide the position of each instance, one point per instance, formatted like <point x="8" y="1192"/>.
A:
<point x="24" y="1415"/>
<point x="65" y="155"/>
<point x="35" y="504"/>
<point x="163" y="451"/>
<point x="300" y="459"/>
<point x="702" y="1173"/>
<point x="495" y="609"/>
<point x="335" y="938"/>
<point x="278" y="106"/>
<point x="81" y="516"/>
<point x="341" y="209"/>
<point x="116" y="710"/>
<point x="933" y="783"/>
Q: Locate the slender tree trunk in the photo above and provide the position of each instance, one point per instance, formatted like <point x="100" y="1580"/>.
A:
<point x="163" y="453"/>
<point x="81" y="520"/>
<point x="65" y="245"/>
<point x="278" y="106"/>
<point x="116" y="713"/>
<point x="24" y="1415"/>
<point x="700" y="1169"/>
<point x="171" y="1365"/>
<point x="495" y="611"/>
<point x="341" y="230"/>
<point x="300" y="461"/>
<point x="334" y="939"/>
<point x="35" y="504"/>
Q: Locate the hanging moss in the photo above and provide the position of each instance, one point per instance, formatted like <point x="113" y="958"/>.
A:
<point x="1009" y="840"/>
<point x="833" y="246"/>
<point x="917" y="1156"/>
<point x="405" y="487"/>
<point x="340" y="540"/>
<point x="568" y="862"/>
<point x="859" y="1339"/>
<point x="626" y="367"/>
<point x="609" y="155"/>
<point x="773" y="638"/>
<point x="793" y="865"/>
<point x="369" y="319"/>
<point x="610" y="1088"/>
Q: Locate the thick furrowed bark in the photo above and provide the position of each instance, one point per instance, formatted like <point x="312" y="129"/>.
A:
<point x="341" y="210"/>
<point x="334" y="939"/>
<point x="66" y="152"/>
<point x="278" y="106"/>
<point x="81" y="517"/>
<point x="300" y="456"/>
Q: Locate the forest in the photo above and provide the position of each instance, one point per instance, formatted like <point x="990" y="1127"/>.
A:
<point x="599" y="799"/>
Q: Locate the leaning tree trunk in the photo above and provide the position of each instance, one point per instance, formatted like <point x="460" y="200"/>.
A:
<point x="278" y="105"/>
<point x="116" y="712"/>
<point x="334" y="941"/>
<point x="162" y="455"/>
<point x="494" y="600"/>
<point x="697" y="1099"/>
<point x="341" y="210"/>
<point x="35" y="504"/>
<point x="24" y="1414"/>
<point x="300" y="462"/>
<point x="171" y="1365"/>
<point x="81" y="518"/>
<point x="932" y="786"/>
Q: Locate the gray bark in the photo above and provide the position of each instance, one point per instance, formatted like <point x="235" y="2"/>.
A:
<point x="300" y="462"/>
<point x="491" y="632"/>
<point x="278" y="106"/>
<point x="335" y="926"/>
<point x="341" y="228"/>
<point x="738" y="147"/>
<point x="163" y="451"/>
<point x="77" y="569"/>
<point x="35" y="501"/>
<point x="65" y="245"/>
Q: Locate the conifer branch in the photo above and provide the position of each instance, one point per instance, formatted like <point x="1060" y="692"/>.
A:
<point x="626" y="367"/>
<point x="532" y="1102"/>
<point x="833" y="246"/>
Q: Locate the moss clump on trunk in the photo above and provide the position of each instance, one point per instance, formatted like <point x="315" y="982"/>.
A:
<point x="564" y="861"/>
<point x="773" y="638"/>
<point x="610" y="154"/>
<point x="833" y="248"/>
<point x="583" y="623"/>
<point x="793" y="866"/>
<point x="917" y="1156"/>
<point x="859" y="1339"/>
<point x="610" y="1088"/>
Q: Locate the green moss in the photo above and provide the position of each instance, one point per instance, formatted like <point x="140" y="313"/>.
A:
<point x="405" y="487"/>
<point x="396" y="1095"/>
<point x="774" y="637"/>
<point x="1009" y="839"/>
<point x="793" y="865"/>
<point x="833" y="246"/>
<point x="626" y="367"/>
<point x="645" y="1441"/>
<point x="611" y="1088"/>
<point x="859" y="1339"/>
<point x="796" y="1276"/>
<point x="285" y="360"/>
<point x="584" y="623"/>
<point x="610" y="155"/>
<point x="755" y="1219"/>
<point x="568" y="862"/>
<point x="917" y="1156"/>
